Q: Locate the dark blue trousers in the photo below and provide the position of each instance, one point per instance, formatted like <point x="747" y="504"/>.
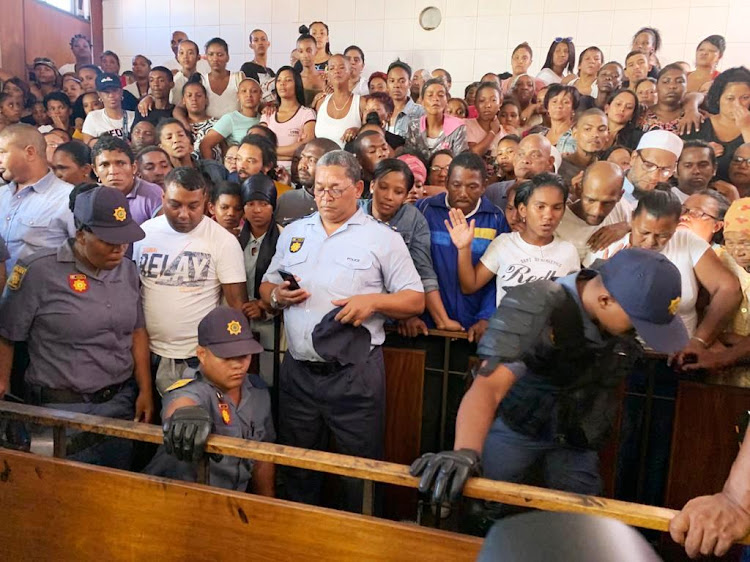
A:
<point x="317" y="402"/>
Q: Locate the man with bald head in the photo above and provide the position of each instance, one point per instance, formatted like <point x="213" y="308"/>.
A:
<point x="600" y="205"/>
<point x="654" y="161"/>
<point x="34" y="212"/>
<point x="533" y="156"/>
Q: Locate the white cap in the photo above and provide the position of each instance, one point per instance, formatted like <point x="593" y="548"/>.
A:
<point x="557" y="156"/>
<point x="663" y="140"/>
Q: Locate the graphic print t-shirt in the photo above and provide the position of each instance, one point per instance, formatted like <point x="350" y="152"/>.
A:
<point x="181" y="277"/>
<point x="516" y="262"/>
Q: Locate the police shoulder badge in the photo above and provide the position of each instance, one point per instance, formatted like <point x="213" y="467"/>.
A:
<point x="226" y="415"/>
<point x="78" y="282"/>
<point x="120" y="214"/>
<point x="296" y="245"/>
<point x="234" y="328"/>
<point x="16" y="277"/>
<point x="673" y="305"/>
<point x="179" y="384"/>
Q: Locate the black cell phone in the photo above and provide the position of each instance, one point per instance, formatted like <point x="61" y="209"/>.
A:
<point x="286" y="276"/>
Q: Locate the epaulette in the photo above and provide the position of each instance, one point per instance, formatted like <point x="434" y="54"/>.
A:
<point x="21" y="267"/>
<point x="179" y="384"/>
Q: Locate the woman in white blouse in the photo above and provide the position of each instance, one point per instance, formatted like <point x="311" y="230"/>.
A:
<point x="516" y="258"/>
<point x="654" y="227"/>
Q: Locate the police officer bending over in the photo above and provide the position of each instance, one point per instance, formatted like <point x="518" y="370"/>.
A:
<point x="554" y="355"/>
<point x="341" y="258"/>
<point x="223" y="399"/>
<point x="79" y="309"/>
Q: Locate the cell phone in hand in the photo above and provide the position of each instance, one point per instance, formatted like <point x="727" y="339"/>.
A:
<point x="286" y="276"/>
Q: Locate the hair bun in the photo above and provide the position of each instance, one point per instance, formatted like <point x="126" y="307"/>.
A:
<point x="304" y="30"/>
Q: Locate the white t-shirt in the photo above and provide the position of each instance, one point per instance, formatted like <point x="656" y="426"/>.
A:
<point x="577" y="231"/>
<point x="181" y="277"/>
<point x="97" y="124"/>
<point x="516" y="262"/>
<point x="684" y="250"/>
<point x="227" y="102"/>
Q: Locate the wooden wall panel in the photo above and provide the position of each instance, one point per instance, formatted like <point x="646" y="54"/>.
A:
<point x="59" y="510"/>
<point x="12" y="36"/>
<point x="48" y="32"/>
<point x="404" y="374"/>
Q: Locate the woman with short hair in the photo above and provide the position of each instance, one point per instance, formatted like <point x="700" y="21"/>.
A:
<point x="435" y="130"/>
<point x="221" y="85"/>
<point x="654" y="227"/>
<point x="340" y="112"/>
<point x="589" y="63"/>
<point x="560" y="102"/>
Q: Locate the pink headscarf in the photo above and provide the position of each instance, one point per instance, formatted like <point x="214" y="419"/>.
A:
<point x="416" y="166"/>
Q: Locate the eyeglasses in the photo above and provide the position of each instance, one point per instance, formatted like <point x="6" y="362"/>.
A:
<point x="439" y="168"/>
<point x="566" y="39"/>
<point x="650" y="167"/>
<point x="230" y="159"/>
<point x="743" y="245"/>
<point x="333" y="192"/>
<point x="697" y="214"/>
<point x="739" y="160"/>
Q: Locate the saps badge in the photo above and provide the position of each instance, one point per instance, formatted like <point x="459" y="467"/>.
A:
<point x="78" y="282"/>
<point x="16" y="277"/>
<point x="296" y="245"/>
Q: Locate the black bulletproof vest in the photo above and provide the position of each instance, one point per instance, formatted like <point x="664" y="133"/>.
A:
<point x="569" y="393"/>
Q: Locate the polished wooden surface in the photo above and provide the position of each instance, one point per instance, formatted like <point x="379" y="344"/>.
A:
<point x="404" y="375"/>
<point x="704" y="440"/>
<point x="60" y="510"/>
<point x="648" y="517"/>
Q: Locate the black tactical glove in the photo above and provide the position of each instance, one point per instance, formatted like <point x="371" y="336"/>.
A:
<point x="186" y="433"/>
<point x="449" y="470"/>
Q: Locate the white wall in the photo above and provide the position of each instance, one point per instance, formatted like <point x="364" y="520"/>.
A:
<point x="475" y="36"/>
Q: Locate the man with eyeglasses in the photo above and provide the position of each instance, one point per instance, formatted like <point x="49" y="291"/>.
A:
<point x="298" y="203"/>
<point x="739" y="169"/>
<point x="352" y="272"/>
<point x="654" y="161"/>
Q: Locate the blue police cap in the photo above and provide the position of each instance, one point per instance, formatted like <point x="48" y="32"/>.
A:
<point x="106" y="212"/>
<point x="345" y="344"/>
<point x="226" y="333"/>
<point x="648" y="287"/>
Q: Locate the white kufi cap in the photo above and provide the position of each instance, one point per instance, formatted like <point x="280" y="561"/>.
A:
<point x="663" y="140"/>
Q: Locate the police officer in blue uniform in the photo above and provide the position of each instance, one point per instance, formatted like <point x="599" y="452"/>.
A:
<point x="223" y="399"/>
<point x="79" y="309"/>
<point x="341" y="258"/>
<point x="554" y="355"/>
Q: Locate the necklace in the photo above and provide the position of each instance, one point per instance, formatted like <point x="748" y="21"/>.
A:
<point x="336" y="107"/>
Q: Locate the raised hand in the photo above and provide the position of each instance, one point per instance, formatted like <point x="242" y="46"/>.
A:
<point x="462" y="233"/>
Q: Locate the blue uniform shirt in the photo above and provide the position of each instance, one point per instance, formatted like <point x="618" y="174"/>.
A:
<point x="490" y="222"/>
<point x="363" y="256"/>
<point x="250" y="419"/>
<point x="37" y="217"/>
<point x="78" y="323"/>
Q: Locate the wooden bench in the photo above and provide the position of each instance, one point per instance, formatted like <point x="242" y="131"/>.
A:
<point x="62" y="510"/>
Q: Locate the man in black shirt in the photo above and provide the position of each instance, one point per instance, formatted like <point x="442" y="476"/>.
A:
<point x="257" y="68"/>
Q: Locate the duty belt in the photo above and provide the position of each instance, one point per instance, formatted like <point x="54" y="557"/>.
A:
<point x="42" y="395"/>
<point x="321" y="367"/>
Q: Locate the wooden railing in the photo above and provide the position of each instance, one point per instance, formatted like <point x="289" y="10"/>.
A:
<point x="648" y="517"/>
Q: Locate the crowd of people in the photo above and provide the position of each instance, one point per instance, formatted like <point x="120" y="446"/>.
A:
<point x="154" y="219"/>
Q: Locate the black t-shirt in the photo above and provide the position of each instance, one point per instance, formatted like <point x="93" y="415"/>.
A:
<point x="154" y="116"/>
<point x="254" y="70"/>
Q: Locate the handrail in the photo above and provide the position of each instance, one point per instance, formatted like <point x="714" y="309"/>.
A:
<point x="649" y="517"/>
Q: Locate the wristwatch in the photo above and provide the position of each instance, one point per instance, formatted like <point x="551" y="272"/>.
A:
<point x="274" y="301"/>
